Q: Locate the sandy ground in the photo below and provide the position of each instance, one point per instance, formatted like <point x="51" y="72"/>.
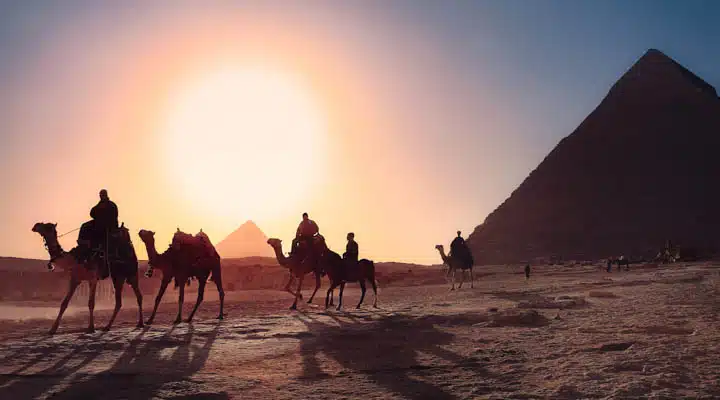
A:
<point x="568" y="333"/>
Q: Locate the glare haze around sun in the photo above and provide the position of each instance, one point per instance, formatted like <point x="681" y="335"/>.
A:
<point x="244" y="142"/>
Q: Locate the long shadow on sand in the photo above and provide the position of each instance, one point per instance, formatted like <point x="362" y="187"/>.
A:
<point x="391" y="352"/>
<point x="141" y="371"/>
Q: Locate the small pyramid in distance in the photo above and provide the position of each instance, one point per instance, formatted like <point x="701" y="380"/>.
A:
<point x="246" y="241"/>
<point x="639" y="170"/>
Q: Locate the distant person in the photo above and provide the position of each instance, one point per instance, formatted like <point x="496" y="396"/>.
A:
<point x="351" y="250"/>
<point x="305" y="232"/>
<point x="527" y="271"/>
<point x="609" y="264"/>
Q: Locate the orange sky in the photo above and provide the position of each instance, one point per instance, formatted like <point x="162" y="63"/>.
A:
<point x="90" y="104"/>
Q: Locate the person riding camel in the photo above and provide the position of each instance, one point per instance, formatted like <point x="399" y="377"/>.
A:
<point x="305" y="233"/>
<point x="457" y="245"/>
<point x="351" y="250"/>
<point x="458" y="248"/>
<point x="94" y="234"/>
<point x="105" y="213"/>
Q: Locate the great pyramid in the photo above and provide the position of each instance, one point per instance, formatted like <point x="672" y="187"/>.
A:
<point x="642" y="168"/>
<point x="246" y="241"/>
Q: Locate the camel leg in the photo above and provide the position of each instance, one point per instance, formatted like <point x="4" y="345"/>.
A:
<point x="163" y="285"/>
<point x="317" y="286"/>
<point x="362" y="294"/>
<point x="342" y="287"/>
<point x="221" y="293"/>
<point x="287" y="287"/>
<point x="452" y="279"/>
<point x="91" y="305"/>
<point x="472" y="278"/>
<point x="332" y="297"/>
<point x="118" y="284"/>
<point x="462" y="278"/>
<point x="374" y="286"/>
<point x="201" y="295"/>
<point x="329" y="296"/>
<point x="63" y="306"/>
<point x="181" y="299"/>
<point x="297" y="294"/>
<point x="136" y="288"/>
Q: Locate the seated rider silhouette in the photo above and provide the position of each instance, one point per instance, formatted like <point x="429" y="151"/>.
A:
<point x="94" y="234"/>
<point x="351" y="250"/>
<point x="457" y="245"/>
<point x="305" y="234"/>
<point x="459" y="248"/>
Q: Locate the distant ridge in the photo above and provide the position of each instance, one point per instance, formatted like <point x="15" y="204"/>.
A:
<point x="22" y="264"/>
<point x="640" y="169"/>
<point x="246" y="241"/>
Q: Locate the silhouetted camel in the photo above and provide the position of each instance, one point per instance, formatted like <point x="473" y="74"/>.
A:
<point x="622" y="261"/>
<point x="121" y="271"/>
<point x="183" y="260"/>
<point x="455" y="263"/>
<point x="341" y="273"/>
<point x="298" y="269"/>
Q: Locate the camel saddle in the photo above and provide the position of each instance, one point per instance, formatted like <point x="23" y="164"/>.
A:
<point x="104" y="248"/>
<point x="301" y="250"/>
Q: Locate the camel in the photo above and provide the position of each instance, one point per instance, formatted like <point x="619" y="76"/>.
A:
<point x="120" y="272"/>
<point x="620" y="261"/>
<point x="297" y="269"/>
<point x="453" y="264"/>
<point x="340" y="273"/>
<point x="182" y="261"/>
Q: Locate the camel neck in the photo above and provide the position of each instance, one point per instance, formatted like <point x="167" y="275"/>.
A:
<point x="54" y="249"/>
<point x="153" y="256"/>
<point x="442" y="254"/>
<point x="279" y="255"/>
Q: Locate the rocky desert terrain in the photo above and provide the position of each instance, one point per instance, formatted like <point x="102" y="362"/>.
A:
<point x="568" y="332"/>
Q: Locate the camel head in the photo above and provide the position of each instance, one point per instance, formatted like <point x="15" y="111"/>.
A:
<point x="148" y="237"/>
<point x="48" y="231"/>
<point x="45" y="229"/>
<point x="274" y="243"/>
<point x="440" y="247"/>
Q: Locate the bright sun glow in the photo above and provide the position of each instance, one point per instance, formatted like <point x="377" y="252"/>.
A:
<point x="244" y="143"/>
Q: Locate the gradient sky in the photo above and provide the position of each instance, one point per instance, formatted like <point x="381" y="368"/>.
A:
<point x="437" y="110"/>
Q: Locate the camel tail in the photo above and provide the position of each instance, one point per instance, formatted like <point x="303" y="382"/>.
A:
<point x="371" y="268"/>
<point x="216" y="273"/>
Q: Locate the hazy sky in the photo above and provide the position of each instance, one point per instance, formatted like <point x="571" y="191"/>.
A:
<point x="433" y="112"/>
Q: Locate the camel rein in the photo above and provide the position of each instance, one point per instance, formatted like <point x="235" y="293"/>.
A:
<point x="76" y="229"/>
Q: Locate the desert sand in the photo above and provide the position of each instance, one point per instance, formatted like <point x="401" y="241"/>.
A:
<point x="570" y="332"/>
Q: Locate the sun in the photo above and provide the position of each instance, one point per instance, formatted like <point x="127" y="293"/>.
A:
<point x="243" y="142"/>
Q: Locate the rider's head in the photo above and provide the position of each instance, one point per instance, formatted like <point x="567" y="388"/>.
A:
<point x="305" y="216"/>
<point x="103" y="194"/>
<point x="458" y="232"/>
<point x="350" y="236"/>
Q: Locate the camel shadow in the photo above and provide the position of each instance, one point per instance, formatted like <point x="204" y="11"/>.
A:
<point x="392" y="352"/>
<point x="18" y="384"/>
<point x="148" y="365"/>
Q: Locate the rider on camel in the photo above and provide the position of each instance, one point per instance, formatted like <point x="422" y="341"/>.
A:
<point x="351" y="250"/>
<point x="105" y="213"/>
<point x="456" y="247"/>
<point x="306" y="231"/>
<point x="94" y="234"/>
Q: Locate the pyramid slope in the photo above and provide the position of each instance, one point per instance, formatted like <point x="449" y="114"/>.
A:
<point x="639" y="170"/>
<point x="246" y="241"/>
